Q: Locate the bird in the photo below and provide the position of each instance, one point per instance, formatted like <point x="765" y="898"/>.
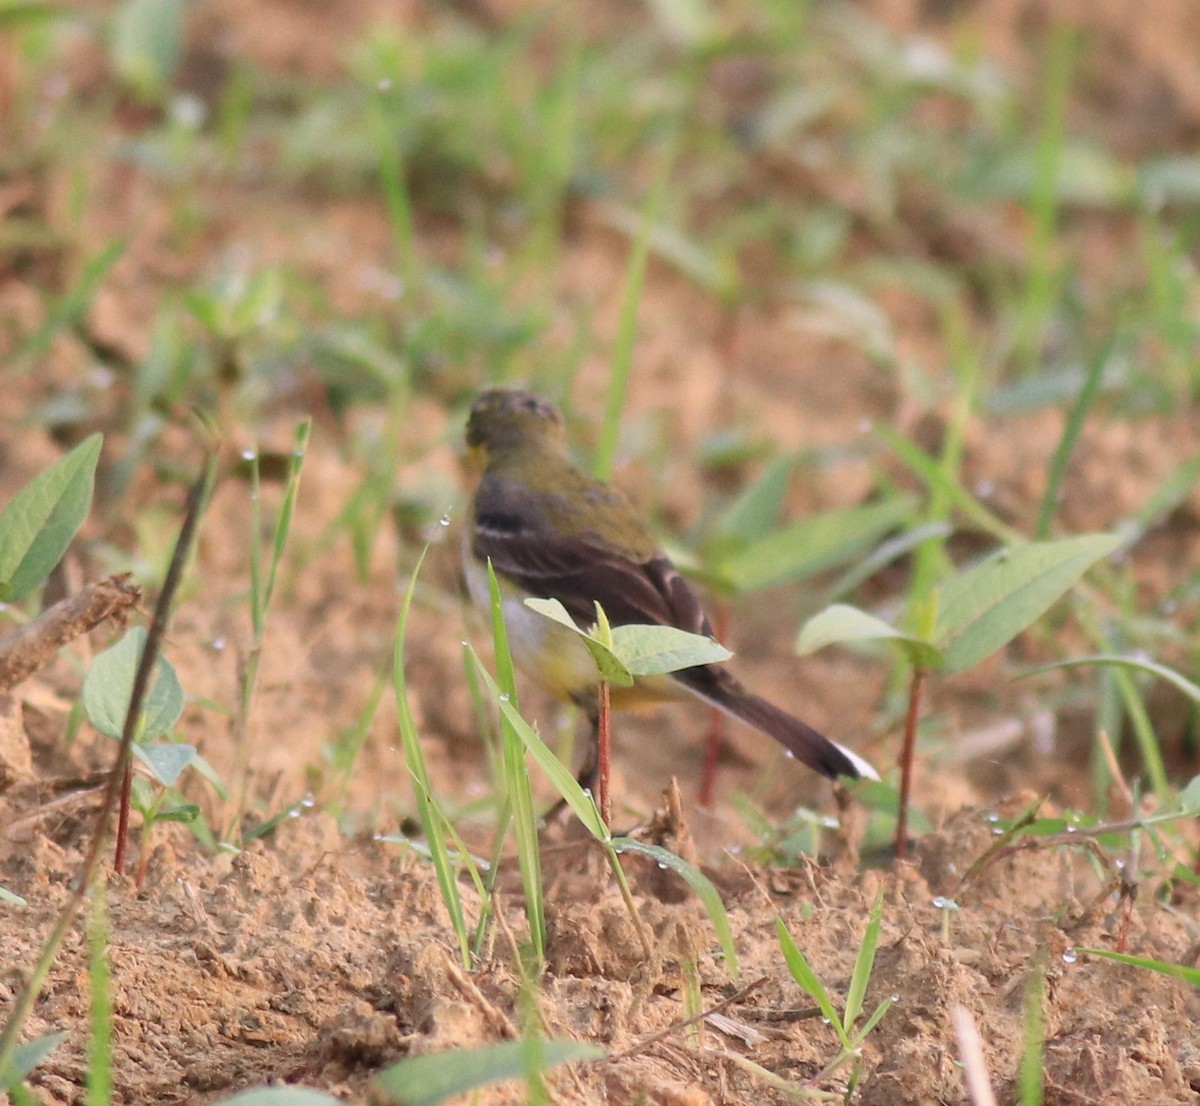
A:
<point x="552" y="531"/>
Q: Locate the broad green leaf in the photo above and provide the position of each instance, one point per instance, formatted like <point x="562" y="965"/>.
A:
<point x="166" y="760"/>
<point x="808" y="980"/>
<point x="1189" y="797"/>
<point x="435" y="1077"/>
<point x="841" y="624"/>
<point x="281" y="1096"/>
<point x="814" y="545"/>
<point x="985" y="607"/>
<point x="26" y="1057"/>
<point x="1116" y="660"/>
<point x="698" y="882"/>
<point x="41" y="519"/>
<point x="1178" y="971"/>
<point x="656" y="650"/>
<point x="108" y="686"/>
<point x="564" y="783"/>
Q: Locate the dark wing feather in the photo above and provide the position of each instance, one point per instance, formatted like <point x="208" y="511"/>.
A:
<point x="578" y="570"/>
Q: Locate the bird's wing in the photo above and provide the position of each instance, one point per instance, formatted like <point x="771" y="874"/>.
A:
<point x="579" y="570"/>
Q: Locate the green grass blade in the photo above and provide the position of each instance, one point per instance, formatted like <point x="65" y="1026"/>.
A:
<point x="698" y="882"/>
<point x="808" y="980"/>
<point x="1177" y="971"/>
<point x="432" y="819"/>
<point x="560" y="776"/>
<point x="435" y="1077"/>
<point x="395" y="192"/>
<point x="885" y="554"/>
<point x="871" y="1022"/>
<point x="516" y="778"/>
<point x="1070" y="435"/>
<point x="287" y="510"/>
<point x="622" y="361"/>
<point x="1117" y="660"/>
<point x="931" y="473"/>
<point x="99" y="1069"/>
<point x="1030" y="1072"/>
<point x="863" y="963"/>
<point x="814" y="545"/>
<point x="1143" y="732"/>
<point x="73" y="305"/>
<point x="1043" y="272"/>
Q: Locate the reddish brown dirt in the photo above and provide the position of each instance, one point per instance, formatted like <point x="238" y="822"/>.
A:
<point x="321" y="954"/>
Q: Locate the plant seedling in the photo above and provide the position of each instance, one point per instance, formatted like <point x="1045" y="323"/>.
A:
<point x="844" y="1024"/>
<point x="969" y="616"/>
<point x="106" y="692"/>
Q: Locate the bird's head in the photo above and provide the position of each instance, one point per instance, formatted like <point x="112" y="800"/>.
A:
<point x="505" y="419"/>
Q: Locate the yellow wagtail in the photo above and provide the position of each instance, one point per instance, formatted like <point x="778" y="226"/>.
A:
<point x="553" y="532"/>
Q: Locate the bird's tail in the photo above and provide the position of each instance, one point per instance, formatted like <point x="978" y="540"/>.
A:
<point x="718" y="686"/>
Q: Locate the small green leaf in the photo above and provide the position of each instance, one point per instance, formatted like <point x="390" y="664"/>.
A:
<point x="608" y="664"/>
<point x="555" y="611"/>
<point x="698" y="882"/>
<point x="985" y="607"/>
<point x="656" y="650"/>
<point x="814" y="545"/>
<point x="564" y="783"/>
<point x="41" y="519"/>
<point x="841" y="624"/>
<point x="435" y="1077"/>
<point x="165" y="760"/>
<point x="26" y="1057"/>
<point x="108" y="685"/>
<point x="280" y="1096"/>
<point x="1189" y="797"/>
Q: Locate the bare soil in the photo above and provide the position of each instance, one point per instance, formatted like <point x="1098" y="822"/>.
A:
<point x="321" y="953"/>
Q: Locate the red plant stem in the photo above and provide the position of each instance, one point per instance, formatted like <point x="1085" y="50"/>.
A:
<point x="715" y="735"/>
<point x="604" y="751"/>
<point x="906" y="757"/>
<point x="123" y="820"/>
